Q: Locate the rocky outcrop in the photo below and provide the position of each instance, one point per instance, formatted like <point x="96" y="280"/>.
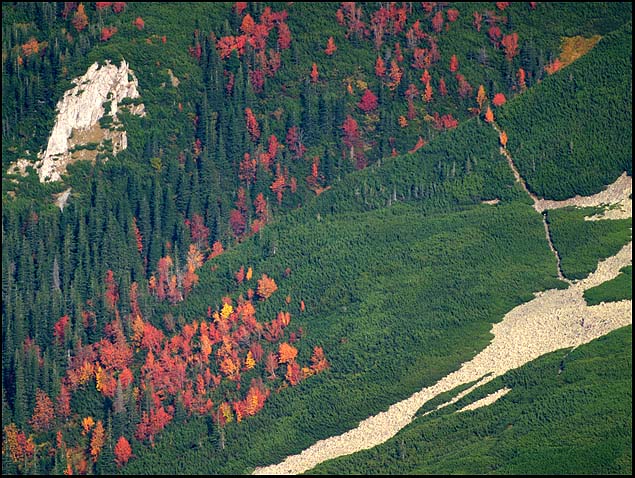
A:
<point x="97" y="93"/>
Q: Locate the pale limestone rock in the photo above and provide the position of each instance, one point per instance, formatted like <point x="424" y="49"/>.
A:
<point x="82" y="107"/>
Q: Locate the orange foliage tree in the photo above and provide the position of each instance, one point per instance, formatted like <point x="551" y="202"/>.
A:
<point x="266" y="287"/>
<point x="318" y="360"/>
<point x="503" y="138"/>
<point x="330" y="46"/>
<point x="97" y="440"/>
<point x="489" y="115"/>
<point x="43" y="413"/>
<point x="286" y="353"/>
<point x="80" y="19"/>
<point x="454" y="63"/>
<point x="380" y="67"/>
<point x="20" y="448"/>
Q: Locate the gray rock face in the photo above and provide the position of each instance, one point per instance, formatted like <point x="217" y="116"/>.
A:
<point x="82" y="107"/>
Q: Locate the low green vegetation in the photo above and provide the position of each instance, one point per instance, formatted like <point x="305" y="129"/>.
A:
<point x="568" y="413"/>
<point x="581" y="244"/>
<point x="617" y="289"/>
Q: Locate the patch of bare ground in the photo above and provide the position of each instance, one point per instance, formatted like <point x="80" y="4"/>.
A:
<point x="615" y="194"/>
<point x="485" y="401"/>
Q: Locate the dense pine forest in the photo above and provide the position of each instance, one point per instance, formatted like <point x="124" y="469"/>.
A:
<point x="311" y="221"/>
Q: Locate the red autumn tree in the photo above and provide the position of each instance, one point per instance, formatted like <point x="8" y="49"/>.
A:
<point x="118" y="7"/>
<point x="198" y="231"/>
<point x="318" y="360"/>
<point x="521" y="75"/>
<point x="260" y="205"/>
<point x="510" y="43"/>
<point x="248" y="24"/>
<point x="266" y="287"/>
<point x="294" y="142"/>
<point x="247" y="169"/>
<point x="478" y="18"/>
<point x="314" y="73"/>
<point x="420" y="144"/>
<point x="443" y="89"/>
<point x="138" y="236"/>
<point x="257" y="80"/>
<point x="368" y="102"/>
<point x="107" y="33"/>
<point x="453" y="14"/>
<point x="43" y="413"/>
<point x="494" y="33"/>
<point x="437" y="21"/>
<point x="398" y="53"/>
<point x="61" y="328"/>
<point x="217" y="250"/>
<point x="499" y="99"/>
<point x="464" y="88"/>
<point x="152" y="423"/>
<point x="237" y="222"/>
<point x="252" y="125"/>
<point x="380" y="67"/>
<point x="63" y="405"/>
<point x="278" y="186"/>
<point x="454" y="63"/>
<point x="427" y="93"/>
<point x="554" y="66"/>
<point x="139" y="23"/>
<point x="80" y="19"/>
<point x="330" y="46"/>
<point x="284" y="36"/>
<point x="240" y="7"/>
<point x="123" y="451"/>
<point x="256" y="396"/>
<point x="351" y="132"/>
<point x="293" y="374"/>
<point x="273" y="146"/>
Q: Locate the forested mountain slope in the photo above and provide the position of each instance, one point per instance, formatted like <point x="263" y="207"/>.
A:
<point x="294" y="237"/>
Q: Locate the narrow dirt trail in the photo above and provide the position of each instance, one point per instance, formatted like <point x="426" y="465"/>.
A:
<point x="536" y="200"/>
<point x="553" y="320"/>
<point x="616" y="193"/>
